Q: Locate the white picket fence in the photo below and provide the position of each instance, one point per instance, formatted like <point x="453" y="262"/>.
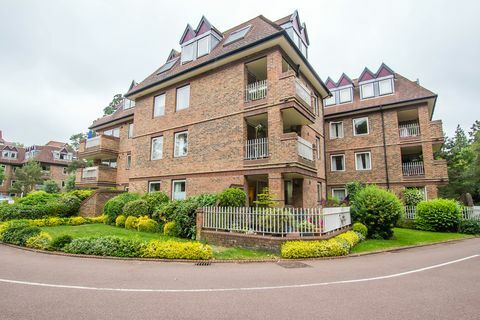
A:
<point x="468" y="213"/>
<point x="276" y="221"/>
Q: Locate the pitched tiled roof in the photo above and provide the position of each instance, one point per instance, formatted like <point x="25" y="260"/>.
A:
<point x="118" y="114"/>
<point x="405" y="90"/>
<point x="261" y="28"/>
<point x="45" y="153"/>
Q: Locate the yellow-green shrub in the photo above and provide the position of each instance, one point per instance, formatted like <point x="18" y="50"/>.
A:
<point x="146" y="224"/>
<point x="313" y="249"/>
<point x="131" y="222"/>
<point x="40" y="241"/>
<point x="52" y="222"/>
<point x="351" y="237"/>
<point x="170" y="229"/>
<point x="99" y="219"/>
<point x="177" y="250"/>
<point x="120" y="221"/>
<point x="360" y="228"/>
<point x="76" y="221"/>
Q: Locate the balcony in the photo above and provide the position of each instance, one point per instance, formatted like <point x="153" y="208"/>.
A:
<point x="436" y="131"/>
<point x="100" y="147"/>
<point x="256" y="149"/>
<point x="296" y="149"/>
<point x="413" y="168"/>
<point x="440" y="169"/>
<point x="96" y="177"/>
<point x="303" y="93"/>
<point x="256" y="91"/>
<point x="409" y="129"/>
<point x="304" y="149"/>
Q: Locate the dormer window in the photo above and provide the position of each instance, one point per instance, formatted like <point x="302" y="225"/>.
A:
<point x="203" y="46"/>
<point x="200" y="42"/>
<point x="376" y="84"/>
<point x="127" y="103"/>
<point x="187" y="52"/>
<point x="237" y="35"/>
<point x="367" y="90"/>
<point x="297" y="32"/>
<point x="330" y="100"/>
<point x="345" y="95"/>
<point x="385" y="86"/>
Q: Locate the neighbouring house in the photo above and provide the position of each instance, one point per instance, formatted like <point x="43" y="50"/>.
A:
<point x="243" y="108"/>
<point x="380" y="129"/>
<point x="54" y="158"/>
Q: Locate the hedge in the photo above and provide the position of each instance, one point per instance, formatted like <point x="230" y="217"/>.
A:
<point x="105" y="246"/>
<point x="177" y="250"/>
<point x="154" y="199"/>
<point x="438" y="215"/>
<point x="469" y="227"/>
<point x="136" y="208"/>
<point x="114" y="207"/>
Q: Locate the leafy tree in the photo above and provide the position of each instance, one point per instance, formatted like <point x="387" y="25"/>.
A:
<point x="50" y="186"/>
<point x="76" y="164"/>
<point x="27" y="177"/>
<point x="474" y="129"/>
<point x="113" y="105"/>
<point x="70" y="183"/>
<point x="75" y="140"/>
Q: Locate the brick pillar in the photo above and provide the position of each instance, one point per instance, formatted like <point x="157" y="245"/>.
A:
<point x="199" y="224"/>
<point x="276" y="188"/>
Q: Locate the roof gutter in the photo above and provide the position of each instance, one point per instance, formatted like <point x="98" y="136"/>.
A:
<point x="223" y="56"/>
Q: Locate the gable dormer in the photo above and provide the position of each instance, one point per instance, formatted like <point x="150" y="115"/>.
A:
<point x="297" y="31"/>
<point x="342" y="91"/>
<point x="379" y="84"/>
<point x="199" y="42"/>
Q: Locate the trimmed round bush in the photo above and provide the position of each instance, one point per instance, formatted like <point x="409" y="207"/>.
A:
<point x="183" y="213"/>
<point x="360" y="228"/>
<point x="136" y="208"/>
<point x="131" y="223"/>
<point x="120" y="221"/>
<point x="114" y="207"/>
<point x="58" y="243"/>
<point x="146" y="224"/>
<point x="469" y="227"/>
<point x="40" y="241"/>
<point x="438" y="215"/>
<point x="378" y="209"/>
<point x="232" y="197"/>
<point x="154" y="199"/>
<point x="177" y="250"/>
<point x="170" y="229"/>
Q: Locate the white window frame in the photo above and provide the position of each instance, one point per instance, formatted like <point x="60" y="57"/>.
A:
<point x="154" y="182"/>
<point x="318" y="141"/>
<point x="130" y="130"/>
<point x="362" y="94"/>
<point x="173" y="189"/>
<point x="331" y="130"/>
<point x="361" y="134"/>
<point x="336" y="189"/>
<point x="180" y="89"/>
<point x="191" y="52"/>
<point x="151" y="148"/>
<point x="369" y="162"/>
<point x="380" y="86"/>
<point x="331" y="162"/>
<point x="207" y="39"/>
<point x="128" y="161"/>
<point x="315" y="105"/>
<point x="175" y="150"/>
<point x="340" y="101"/>
<point x="331" y="101"/>
<point x="159" y="110"/>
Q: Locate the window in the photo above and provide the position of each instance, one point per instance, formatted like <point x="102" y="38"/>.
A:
<point x="112" y="132"/>
<point x="360" y="126"/>
<point x="318" y="143"/>
<point x="181" y="144"/>
<point x="338" y="162"/>
<point x="319" y="192"/>
<point x="330" y="100"/>
<point x="63" y="184"/>
<point x="286" y="66"/>
<point x="167" y="66"/>
<point x="296" y="38"/>
<point x="154" y="186"/>
<point x="315" y="105"/>
<point x="64" y="170"/>
<point x="46" y="168"/>
<point x="237" y="35"/>
<point x="288" y="189"/>
<point x="159" y="105"/>
<point x="188" y="52"/>
<point x="127" y="103"/>
<point x="203" y="46"/>
<point x="130" y="130"/>
<point x="339" y="193"/>
<point x="336" y="130"/>
<point x="183" y="97"/>
<point x="363" y="161"/>
<point x="179" y="190"/>
<point x="157" y="148"/>
<point x="385" y="86"/>
<point x="128" y="161"/>
<point x="367" y="90"/>
<point x="345" y="95"/>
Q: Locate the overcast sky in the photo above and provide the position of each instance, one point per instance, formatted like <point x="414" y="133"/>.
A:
<point x="62" y="61"/>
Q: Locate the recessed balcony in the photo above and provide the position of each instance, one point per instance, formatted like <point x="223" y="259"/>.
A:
<point x="99" y="148"/>
<point x="96" y="177"/>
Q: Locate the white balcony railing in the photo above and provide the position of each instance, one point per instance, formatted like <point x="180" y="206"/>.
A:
<point x="256" y="149"/>
<point x="303" y="93"/>
<point x="304" y="148"/>
<point x="413" y="168"/>
<point x="92" y="142"/>
<point x="256" y="90"/>
<point x="90" y="173"/>
<point x="410" y="129"/>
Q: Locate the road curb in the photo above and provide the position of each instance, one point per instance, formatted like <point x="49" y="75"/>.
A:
<point x="353" y="255"/>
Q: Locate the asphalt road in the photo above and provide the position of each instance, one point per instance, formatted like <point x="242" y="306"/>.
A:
<point x="434" y="282"/>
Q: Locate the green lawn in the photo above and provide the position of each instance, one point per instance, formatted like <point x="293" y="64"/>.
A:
<point x="89" y="230"/>
<point x="406" y="237"/>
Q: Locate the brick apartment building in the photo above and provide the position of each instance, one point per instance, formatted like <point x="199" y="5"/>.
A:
<point x="54" y="158"/>
<point x="241" y="108"/>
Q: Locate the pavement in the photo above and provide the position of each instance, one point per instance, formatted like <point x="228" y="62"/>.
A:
<point x="434" y="282"/>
